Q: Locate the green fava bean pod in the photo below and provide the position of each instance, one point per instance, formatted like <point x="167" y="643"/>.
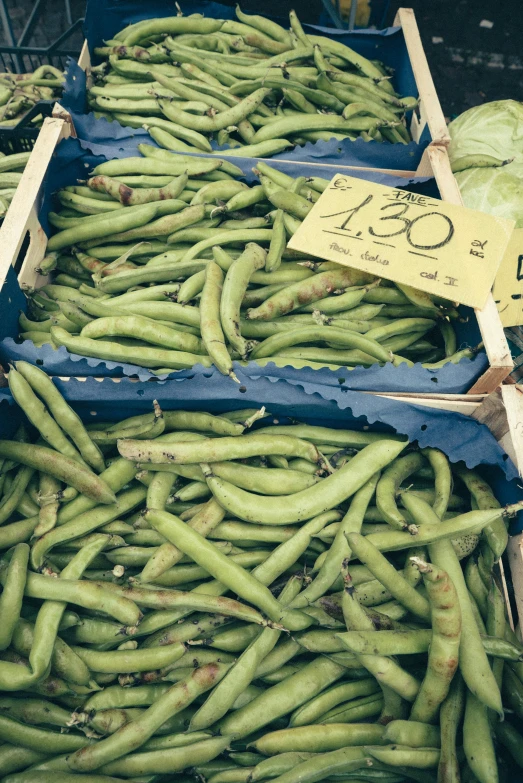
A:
<point x="284" y="510"/>
<point x="384" y="669"/>
<point x="142" y="356"/>
<point x="312" y="711"/>
<point x="146" y="329"/>
<point x="39" y="740"/>
<point x="85" y="523"/>
<point x="14" y="496"/>
<point x="242" y="672"/>
<point x="345" y="760"/>
<point x="218" y="449"/>
<point x="388" y="576"/>
<point x="444" y="646"/>
<point x="495" y="533"/>
<point x="511" y="739"/>
<point x="167" y="761"/>
<point x="283" y="697"/>
<point x="51" y="612"/>
<point x="473" y="662"/>
<point x="167" y="555"/>
<point x="340" y="549"/>
<point x="297" y="334"/>
<point x="224" y="569"/>
<point x="69" y="421"/>
<point x="220" y="121"/>
<point x="127" y="195"/>
<point x="278" y="243"/>
<point x="306" y="291"/>
<point x="276" y="765"/>
<point x="39" y="416"/>
<point x="14" y="758"/>
<point x="442" y="479"/>
<point x="132" y="736"/>
<point x="210" y="324"/>
<point x="412" y="733"/>
<point x="405" y="756"/>
<point x="389" y="484"/>
<point x="318" y="738"/>
<point x="63" y="468"/>
<point x="234" y="287"/>
<point x="477" y="741"/>
<point x="12" y="594"/>
<point x="49" y="490"/>
<point x="450" y="716"/>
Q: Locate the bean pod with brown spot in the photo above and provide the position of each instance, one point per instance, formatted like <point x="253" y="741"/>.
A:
<point x="444" y="647"/>
<point x="306" y="291"/>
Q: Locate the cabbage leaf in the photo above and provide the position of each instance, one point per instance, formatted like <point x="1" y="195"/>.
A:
<point x="494" y="129"/>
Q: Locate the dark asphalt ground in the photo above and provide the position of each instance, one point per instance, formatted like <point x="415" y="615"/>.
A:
<point x="470" y="65"/>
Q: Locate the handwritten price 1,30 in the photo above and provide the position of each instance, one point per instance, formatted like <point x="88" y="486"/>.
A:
<point x="437" y="224"/>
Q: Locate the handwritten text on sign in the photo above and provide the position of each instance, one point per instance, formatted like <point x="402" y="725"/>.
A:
<point x="508" y="288"/>
<point x="412" y="239"/>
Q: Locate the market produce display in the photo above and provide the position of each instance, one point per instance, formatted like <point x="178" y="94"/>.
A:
<point x="289" y="602"/>
<point x="11" y="168"/>
<point x="20" y="91"/>
<point x="249" y="84"/>
<point x="168" y="261"/>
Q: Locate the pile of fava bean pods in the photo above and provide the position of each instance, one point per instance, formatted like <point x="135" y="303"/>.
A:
<point x="249" y="84"/>
<point x="20" y="91"/>
<point x="291" y="603"/>
<point x="168" y="261"/>
<point x="11" y="169"/>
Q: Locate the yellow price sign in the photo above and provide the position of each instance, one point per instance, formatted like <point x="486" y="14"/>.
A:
<point x="441" y="248"/>
<point x="508" y="288"/>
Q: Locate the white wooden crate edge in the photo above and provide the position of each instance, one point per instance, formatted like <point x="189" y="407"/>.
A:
<point x="429" y="110"/>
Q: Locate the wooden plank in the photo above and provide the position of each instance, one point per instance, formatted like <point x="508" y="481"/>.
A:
<point x="28" y="276"/>
<point x="425" y="165"/>
<point x="84" y="60"/>
<point x="451" y="405"/>
<point x="489" y="322"/>
<point x="62" y="114"/>
<point x="496" y="347"/>
<point x="513" y="400"/>
<point x="430" y="109"/>
<point x="20" y="214"/>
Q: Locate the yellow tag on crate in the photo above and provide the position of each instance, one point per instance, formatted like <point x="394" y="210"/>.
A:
<point x="416" y="240"/>
<point x="508" y="288"/>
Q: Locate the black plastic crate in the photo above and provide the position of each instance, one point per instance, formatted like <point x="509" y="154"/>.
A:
<point x="20" y="57"/>
<point x="22" y="136"/>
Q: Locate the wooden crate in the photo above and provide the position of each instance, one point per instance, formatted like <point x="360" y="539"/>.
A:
<point x="428" y="113"/>
<point x="22" y="219"/>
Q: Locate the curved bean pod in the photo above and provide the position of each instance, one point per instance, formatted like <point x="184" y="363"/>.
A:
<point x="283" y="510"/>
<point x="444" y="646"/>
<point x="224" y="569"/>
<point x="63" y="468"/>
<point x="234" y="287"/>
<point x="307" y="291"/>
<point x="12" y="595"/>
<point x="141" y="356"/>
<point x="69" y="421"/>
